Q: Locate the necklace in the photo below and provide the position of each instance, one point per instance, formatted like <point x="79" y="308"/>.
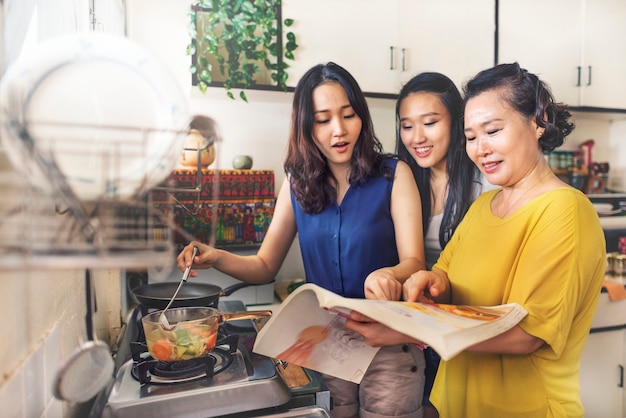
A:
<point x="512" y="207"/>
<point x="518" y="202"/>
<point x="542" y="179"/>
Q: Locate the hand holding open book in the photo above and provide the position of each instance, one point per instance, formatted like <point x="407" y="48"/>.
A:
<point x="308" y="329"/>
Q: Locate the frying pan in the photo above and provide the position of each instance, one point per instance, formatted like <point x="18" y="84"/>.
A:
<point x="158" y="295"/>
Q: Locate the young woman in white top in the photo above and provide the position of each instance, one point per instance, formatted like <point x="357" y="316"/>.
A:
<point x="429" y="136"/>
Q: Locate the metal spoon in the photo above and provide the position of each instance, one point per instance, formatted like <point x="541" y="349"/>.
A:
<point x="162" y="318"/>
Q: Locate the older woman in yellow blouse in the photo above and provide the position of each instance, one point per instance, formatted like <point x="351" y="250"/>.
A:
<point x="535" y="241"/>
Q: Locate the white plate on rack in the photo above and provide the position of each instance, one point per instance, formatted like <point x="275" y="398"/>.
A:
<point x="99" y="106"/>
<point x="609" y="212"/>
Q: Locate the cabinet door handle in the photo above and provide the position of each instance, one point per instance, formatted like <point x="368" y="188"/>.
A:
<point x="403" y="59"/>
<point x="578" y="82"/>
<point x="621" y="376"/>
<point x="589" y="77"/>
<point x="391" y="57"/>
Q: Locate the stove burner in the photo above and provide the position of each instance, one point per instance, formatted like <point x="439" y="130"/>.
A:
<point x="160" y="372"/>
<point x="184" y="369"/>
<point x="148" y="370"/>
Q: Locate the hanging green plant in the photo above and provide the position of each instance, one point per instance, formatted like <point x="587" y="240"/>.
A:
<point x="239" y="44"/>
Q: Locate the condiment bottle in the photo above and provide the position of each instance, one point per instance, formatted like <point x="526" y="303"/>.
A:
<point x="585" y="149"/>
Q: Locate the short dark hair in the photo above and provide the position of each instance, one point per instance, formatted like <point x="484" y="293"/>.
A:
<point x="528" y="95"/>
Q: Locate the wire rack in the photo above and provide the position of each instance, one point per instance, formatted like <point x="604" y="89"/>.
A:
<point x="53" y="229"/>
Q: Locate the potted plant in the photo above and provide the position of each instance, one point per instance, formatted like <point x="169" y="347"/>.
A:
<point x="237" y="43"/>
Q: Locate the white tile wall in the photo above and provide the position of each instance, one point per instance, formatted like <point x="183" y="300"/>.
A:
<point x="53" y="408"/>
<point x="12" y="396"/>
<point x="28" y="392"/>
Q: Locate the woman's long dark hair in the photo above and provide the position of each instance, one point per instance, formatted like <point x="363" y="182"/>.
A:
<point x="312" y="183"/>
<point x="462" y="172"/>
<point x="529" y="96"/>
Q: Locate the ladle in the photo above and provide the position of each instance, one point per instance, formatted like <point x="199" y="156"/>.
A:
<point x="162" y="318"/>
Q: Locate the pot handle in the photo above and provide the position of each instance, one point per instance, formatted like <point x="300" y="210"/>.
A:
<point x="232" y="288"/>
<point x="244" y="315"/>
<point x="135" y="279"/>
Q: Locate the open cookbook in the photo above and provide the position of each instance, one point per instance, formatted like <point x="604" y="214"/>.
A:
<point x="308" y="329"/>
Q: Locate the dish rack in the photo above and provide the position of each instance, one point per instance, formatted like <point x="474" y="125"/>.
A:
<point x="53" y="229"/>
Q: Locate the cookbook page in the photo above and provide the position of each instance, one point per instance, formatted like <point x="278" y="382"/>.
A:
<point x="309" y="329"/>
<point x="304" y="334"/>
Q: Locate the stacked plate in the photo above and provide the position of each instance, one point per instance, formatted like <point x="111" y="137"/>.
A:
<point x="606" y="209"/>
<point x="97" y="109"/>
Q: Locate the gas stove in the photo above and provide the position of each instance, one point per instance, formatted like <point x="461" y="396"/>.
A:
<point x="231" y="381"/>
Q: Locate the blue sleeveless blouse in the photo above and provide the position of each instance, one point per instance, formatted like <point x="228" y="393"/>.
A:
<point x="344" y="243"/>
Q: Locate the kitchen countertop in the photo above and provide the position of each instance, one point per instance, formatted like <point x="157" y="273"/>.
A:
<point x="266" y="307"/>
<point x="280" y="294"/>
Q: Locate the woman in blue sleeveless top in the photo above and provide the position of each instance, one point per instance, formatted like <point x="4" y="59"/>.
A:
<point x="358" y="217"/>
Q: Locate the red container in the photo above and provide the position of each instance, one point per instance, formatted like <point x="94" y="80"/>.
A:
<point x="621" y="245"/>
<point x="586" y="152"/>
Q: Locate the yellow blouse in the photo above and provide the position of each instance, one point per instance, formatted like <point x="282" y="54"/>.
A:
<point x="549" y="256"/>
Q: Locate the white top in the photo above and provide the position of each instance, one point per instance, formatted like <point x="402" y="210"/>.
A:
<point x="432" y="247"/>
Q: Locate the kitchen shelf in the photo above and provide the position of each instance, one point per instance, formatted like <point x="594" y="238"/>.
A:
<point x="42" y="229"/>
<point x="35" y="233"/>
<point x="79" y="196"/>
<point x="232" y="213"/>
<point x="23" y="260"/>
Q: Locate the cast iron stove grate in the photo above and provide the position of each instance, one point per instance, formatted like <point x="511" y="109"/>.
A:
<point x="146" y="369"/>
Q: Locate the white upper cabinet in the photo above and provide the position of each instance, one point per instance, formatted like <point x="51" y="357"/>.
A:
<point x="604" y="54"/>
<point x="384" y="43"/>
<point x="576" y="46"/>
<point x="454" y="37"/>
<point x="109" y="16"/>
<point x="545" y="37"/>
<point x="356" y="34"/>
